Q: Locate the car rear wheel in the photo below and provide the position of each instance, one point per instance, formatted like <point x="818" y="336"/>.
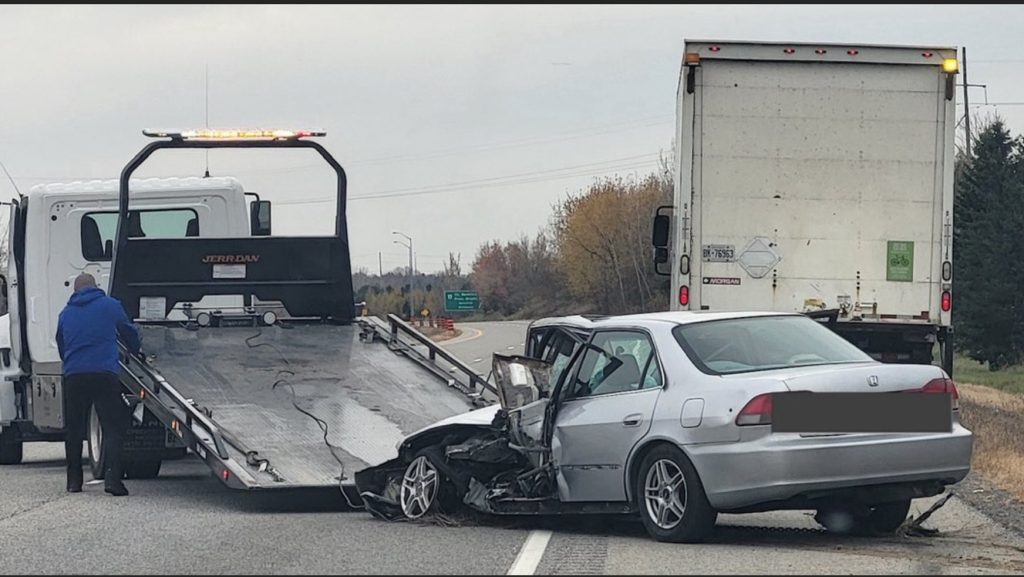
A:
<point x="887" y="517"/>
<point x="671" y="498"/>
<point x="864" y="520"/>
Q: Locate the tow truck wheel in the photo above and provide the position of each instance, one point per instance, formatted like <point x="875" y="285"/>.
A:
<point x="671" y="498"/>
<point x="420" y="484"/>
<point x="10" y="447"/>
<point x="147" y="469"/>
<point x="95" y="444"/>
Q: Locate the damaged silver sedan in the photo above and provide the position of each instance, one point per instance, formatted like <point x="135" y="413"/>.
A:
<point x="670" y="416"/>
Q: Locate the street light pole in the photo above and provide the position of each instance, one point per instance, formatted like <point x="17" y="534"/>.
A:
<point x="412" y="313"/>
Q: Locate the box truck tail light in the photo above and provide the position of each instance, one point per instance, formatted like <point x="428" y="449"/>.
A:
<point x="714" y="48"/>
<point x="947" y="301"/>
<point x="788" y="50"/>
<point x="756" y="412"/>
<point x="947" y="270"/>
<point x="853" y="52"/>
<point x="820" y="51"/>
<point x="926" y="54"/>
<point x="684" y="295"/>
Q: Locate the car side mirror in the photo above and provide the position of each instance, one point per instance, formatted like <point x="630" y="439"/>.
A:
<point x="259" y="218"/>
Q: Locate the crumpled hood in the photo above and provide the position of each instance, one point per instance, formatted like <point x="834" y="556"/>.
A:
<point x="85" y="296"/>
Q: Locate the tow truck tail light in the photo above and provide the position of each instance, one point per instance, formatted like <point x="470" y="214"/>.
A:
<point x="942" y="386"/>
<point x="758" y="411"/>
<point x="684" y="295"/>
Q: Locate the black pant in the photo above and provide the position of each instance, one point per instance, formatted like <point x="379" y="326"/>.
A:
<point x="103" y="390"/>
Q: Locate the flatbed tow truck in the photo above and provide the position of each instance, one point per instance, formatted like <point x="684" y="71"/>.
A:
<point x="284" y="386"/>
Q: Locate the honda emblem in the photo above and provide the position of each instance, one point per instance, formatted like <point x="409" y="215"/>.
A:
<point x="872" y="381"/>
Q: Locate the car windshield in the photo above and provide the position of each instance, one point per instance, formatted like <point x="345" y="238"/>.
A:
<point x="763" y="343"/>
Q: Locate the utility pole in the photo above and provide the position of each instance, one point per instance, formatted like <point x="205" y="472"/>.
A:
<point x="380" y="265"/>
<point x="967" y="108"/>
<point x="412" y="312"/>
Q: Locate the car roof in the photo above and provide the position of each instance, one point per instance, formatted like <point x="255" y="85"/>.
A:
<point x="594" y="322"/>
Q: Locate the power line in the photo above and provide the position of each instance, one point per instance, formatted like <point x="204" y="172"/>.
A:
<point x="997" y="104"/>
<point x="625" y="163"/>
<point x="593" y="131"/>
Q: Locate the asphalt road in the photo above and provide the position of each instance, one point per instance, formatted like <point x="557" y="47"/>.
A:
<point x="186" y="522"/>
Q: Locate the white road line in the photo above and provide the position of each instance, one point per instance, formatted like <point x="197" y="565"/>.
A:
<point x="530" y="555"/>
<point x="94" y="482"/>
<point x="477" y="360"/>
<point x="510" y="348"/>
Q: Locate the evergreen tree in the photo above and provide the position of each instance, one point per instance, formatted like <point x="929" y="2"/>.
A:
<point x="988" y="244"/>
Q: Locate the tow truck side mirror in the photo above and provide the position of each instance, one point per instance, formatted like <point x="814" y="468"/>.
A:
<point x="259" y="218"/>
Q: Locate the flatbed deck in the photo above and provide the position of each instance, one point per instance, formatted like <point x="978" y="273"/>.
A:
<point x="368" y="396"/>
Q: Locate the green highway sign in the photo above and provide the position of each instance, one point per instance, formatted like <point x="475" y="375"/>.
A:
<point x="461" y="301"/>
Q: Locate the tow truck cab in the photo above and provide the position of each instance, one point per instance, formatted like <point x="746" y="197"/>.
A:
<point x="58" y="231"/>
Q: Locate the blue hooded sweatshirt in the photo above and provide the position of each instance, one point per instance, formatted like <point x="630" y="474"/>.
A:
<point x="87" y="332"/>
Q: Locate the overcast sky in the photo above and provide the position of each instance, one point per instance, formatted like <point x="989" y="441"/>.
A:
<point x="460" y="124"/>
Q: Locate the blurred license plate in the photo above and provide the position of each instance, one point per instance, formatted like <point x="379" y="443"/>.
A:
<point x="832" y="413"/>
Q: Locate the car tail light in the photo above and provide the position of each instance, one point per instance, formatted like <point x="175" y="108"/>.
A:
<point x="756" y="412"/>
<point x="947" y="301"/>
<point x="942" y="386"/>
<point x="684" y="295"/>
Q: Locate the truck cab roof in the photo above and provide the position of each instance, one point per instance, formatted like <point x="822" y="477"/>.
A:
<point x="143" y="186"/>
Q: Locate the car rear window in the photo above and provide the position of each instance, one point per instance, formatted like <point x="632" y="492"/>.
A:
<point x="750" y="344"/>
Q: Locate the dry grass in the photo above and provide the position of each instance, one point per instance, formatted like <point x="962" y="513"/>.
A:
<point x="997" y="419"/>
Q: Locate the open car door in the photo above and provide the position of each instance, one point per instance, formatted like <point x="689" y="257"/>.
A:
<point x="524" y="390"/>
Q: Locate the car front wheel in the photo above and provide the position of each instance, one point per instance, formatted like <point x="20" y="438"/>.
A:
<point x="671" y="498"/>
<point x="420" y="485"/>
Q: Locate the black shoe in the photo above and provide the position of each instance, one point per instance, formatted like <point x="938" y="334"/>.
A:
<point x="74" y="480"/>
<point x="116" y="489"/>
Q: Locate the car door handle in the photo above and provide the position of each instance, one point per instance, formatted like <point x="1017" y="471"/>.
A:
<point x="632" y="420"/>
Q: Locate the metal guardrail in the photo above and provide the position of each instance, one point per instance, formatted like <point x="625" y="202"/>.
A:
<point x="435" y="351"/>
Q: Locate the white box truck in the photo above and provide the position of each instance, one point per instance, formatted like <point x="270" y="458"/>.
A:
<point x="817" y="178"/>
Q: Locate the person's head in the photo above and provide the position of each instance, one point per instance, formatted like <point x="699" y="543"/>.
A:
<point x="84" y="281"/>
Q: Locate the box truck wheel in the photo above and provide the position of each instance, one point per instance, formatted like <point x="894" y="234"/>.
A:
<point x="10" y="446"/>
<point x="95" y="444"/>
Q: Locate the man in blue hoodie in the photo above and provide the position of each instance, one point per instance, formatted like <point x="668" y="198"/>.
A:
<point x="87" y="333"/>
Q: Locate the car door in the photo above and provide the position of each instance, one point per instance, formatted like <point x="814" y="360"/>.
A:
<point x="605" y="409"/>
<point x="525" y="384"/>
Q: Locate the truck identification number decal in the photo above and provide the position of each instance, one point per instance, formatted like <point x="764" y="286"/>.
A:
<point x="721" y="280"/>
<point x="719" y="253"/>
<point x="229" y="271"/>
<point x="153" y="308"/>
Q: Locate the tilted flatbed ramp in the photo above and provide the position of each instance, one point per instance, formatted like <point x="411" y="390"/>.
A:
<point x="219" y="384"/>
